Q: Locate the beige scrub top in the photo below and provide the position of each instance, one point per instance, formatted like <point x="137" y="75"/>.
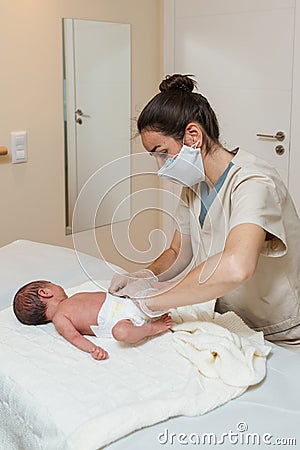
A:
<point x="252" y="192"/>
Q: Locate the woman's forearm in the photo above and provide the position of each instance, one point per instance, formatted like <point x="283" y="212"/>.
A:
<point x="165" y="266"/>
<point x="173" y="260"/>
<point x="212" y="279"/>
<point x="219" y="274"/>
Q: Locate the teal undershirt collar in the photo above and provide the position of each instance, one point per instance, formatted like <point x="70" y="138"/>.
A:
<point x="207" y="197"/>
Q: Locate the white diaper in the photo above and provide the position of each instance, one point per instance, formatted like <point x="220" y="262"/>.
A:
<point x="115" y="309"/>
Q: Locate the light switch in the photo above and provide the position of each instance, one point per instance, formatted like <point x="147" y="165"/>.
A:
<point x="20" y="140"/>
<point x="20" y="155"/>
<point x="19" y="146"/>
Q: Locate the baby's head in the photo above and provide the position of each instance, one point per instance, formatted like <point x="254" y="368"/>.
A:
<point x="31" y="301"/>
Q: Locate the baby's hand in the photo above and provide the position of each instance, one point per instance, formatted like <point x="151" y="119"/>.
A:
<point x="99" y="353"/>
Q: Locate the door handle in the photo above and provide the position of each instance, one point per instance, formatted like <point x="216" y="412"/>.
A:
<point x="279" y="149"/>
<point x="280" y="136"/>
<point x="79" y="112"/>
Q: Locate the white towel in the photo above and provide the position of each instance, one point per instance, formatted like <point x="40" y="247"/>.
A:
<point x="223" y="347"/>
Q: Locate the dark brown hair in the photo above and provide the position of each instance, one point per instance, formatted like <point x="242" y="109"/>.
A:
<point x="27" y="305"/>
<point x="170" y="111"/>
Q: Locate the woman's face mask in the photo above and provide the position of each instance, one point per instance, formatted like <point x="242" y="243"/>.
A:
<point x="185" y="168"/>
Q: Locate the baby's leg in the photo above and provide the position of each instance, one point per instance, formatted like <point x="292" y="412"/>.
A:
<point x="125" y="331"/>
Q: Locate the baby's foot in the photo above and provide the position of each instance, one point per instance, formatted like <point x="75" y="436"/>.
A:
<point x="161" y="325"/>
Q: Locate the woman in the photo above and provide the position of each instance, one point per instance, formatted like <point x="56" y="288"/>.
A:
<point x="235" y="218"/>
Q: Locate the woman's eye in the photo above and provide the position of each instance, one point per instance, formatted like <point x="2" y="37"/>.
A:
<point x="160" y="155"/>
<point x="163" y="155"/>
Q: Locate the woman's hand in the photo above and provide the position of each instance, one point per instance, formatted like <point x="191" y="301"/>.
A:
<point x="140" y="300"/>
<point x="129" y="283"/>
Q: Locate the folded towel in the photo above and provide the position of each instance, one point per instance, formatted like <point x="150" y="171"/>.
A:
<point x="223" y="347"/>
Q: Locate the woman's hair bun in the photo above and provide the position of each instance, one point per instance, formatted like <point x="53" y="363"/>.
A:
<point x="178" y="82"/>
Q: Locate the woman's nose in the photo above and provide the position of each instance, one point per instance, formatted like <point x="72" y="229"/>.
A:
<point x="159" y="161"/>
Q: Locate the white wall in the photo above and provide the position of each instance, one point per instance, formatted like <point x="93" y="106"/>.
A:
<point x="294" y="163"/>
<point x="32" y="201"/>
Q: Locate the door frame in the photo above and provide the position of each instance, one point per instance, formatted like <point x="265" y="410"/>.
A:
<point x="70" y="99"/>
<point x="168" y="202"/>
<point x="294" y="168"/>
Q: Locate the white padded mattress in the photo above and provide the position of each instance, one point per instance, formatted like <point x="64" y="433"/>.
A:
<point x="270" y="410"/>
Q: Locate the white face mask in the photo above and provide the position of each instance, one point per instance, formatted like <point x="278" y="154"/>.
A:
<point x="186" y="168"/>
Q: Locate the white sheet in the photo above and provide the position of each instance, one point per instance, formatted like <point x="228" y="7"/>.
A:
<point x="272" y="407"/>
<point x="22" y="261"/>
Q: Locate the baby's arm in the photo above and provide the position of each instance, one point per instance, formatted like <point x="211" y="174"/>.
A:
<point x="66" y="328"/>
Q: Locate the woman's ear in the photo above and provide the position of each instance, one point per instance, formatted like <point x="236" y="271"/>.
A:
<point x="193" y="134"/>
<point x="45" y="293"/>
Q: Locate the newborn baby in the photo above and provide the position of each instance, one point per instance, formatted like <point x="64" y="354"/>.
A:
<point x="89" y="313"/>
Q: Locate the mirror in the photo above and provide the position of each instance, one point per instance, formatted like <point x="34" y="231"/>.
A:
<point x="97" y="111"/>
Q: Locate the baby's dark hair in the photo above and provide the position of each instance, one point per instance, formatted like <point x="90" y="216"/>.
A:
<point x="170" y="111"/>
<point x="27" y="305"/>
